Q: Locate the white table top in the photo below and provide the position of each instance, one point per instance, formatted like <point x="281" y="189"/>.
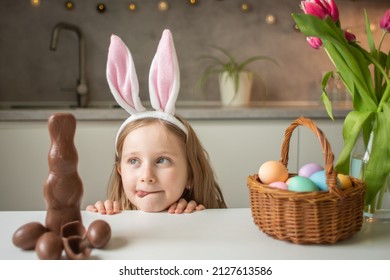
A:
<point x="219" y="234"/>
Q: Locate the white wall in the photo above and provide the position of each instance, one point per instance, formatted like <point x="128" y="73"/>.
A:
<point x="236" y="147"/>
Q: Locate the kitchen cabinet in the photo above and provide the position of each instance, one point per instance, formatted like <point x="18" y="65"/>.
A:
<point x="236" y="149"/>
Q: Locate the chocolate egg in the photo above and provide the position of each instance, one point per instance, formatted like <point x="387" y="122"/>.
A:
<point x="49" y="246"/>
<point x="73" y="228"/>
<point x="98" y="233"/>
<point x="27" y="235"/>
<point x="76" y="248"/>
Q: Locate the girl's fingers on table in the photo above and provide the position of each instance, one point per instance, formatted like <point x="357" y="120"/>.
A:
<point x="91" y="208"/>
<point x="116" y="207"/>
<point x="100" y="207"/>
<point x="181" y="206"/>
<point x="200" y="207"/>
<point x="191" y="206"/>
<point x="172" y="208"/>
<point x="108" y="205"/>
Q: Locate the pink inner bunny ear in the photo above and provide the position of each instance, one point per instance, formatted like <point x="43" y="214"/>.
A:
<point x="122" y="77"/>
<point x="164" y="77"/>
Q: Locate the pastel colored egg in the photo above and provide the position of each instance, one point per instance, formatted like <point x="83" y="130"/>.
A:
<point x="344" y="180"/>
<point x="302" y="184"/>
<point x="319" y="178"/>
<point x="279" y="185"/>
<point x="273" y="171"/>
<point x="309" y="169"/>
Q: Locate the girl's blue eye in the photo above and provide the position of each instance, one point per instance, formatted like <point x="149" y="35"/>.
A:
<point x="133" y="161"/>
<point x="162" y="160"/>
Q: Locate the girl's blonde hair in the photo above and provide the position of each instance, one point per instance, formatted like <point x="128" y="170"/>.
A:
<point x="204" y="188"/>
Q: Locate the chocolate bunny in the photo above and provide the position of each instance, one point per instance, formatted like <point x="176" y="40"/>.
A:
<point x="63" y="188"/>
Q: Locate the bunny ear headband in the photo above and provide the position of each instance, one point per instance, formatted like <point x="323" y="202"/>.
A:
<point x="164" y="82"/>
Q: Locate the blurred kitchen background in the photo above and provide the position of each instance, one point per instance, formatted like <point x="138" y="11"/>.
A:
<point x="30" y="73"/>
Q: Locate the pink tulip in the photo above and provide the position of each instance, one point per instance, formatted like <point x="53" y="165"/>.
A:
<point x="385" y="21"/>
<point x="321" y="8"/>
<point x="314" y="9"/>
<point x="349" y="36"/>
<point x="333" y="10"/>
<point x="314" y="42"/>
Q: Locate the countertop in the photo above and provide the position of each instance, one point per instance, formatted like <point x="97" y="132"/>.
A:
<point x="209" y="111"/>
<point x="212" y="234"/>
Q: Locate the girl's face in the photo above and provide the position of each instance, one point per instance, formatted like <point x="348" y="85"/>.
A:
<point x="153" y="167"/>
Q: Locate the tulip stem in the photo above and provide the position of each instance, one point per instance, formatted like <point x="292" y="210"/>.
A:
<point x="381" y="40"/>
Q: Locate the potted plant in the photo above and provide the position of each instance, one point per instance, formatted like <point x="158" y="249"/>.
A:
<point x="235" y="79"/>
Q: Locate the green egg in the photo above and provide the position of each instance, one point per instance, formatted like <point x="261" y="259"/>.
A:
<point x="302" y="184"/>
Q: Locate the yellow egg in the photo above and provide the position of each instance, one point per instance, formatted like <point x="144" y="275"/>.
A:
<point x="273" y="171"/>
<point x="344" y="181"/>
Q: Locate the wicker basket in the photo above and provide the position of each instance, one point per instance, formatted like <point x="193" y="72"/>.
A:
<point x="308" y="217"/>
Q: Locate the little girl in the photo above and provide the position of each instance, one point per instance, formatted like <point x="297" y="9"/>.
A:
<point x="160" y="163"/>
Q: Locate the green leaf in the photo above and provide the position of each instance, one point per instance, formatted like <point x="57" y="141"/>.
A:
<point x="381" y="78"/>
<point x="316" y="27"/>
<point x="324" y="95"/>
<point x="242" y="65"/>
<point x="370" y="39"/>
<point x="385" y="98"/>
<point x="379" y="163"/>
<point x="226" y="53"/>
<point x="356" y="81"/>
<point x="352" y="126"/>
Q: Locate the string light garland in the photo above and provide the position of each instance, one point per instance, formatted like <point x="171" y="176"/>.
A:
<point x="35" y="3"/>
<point x="132" y="7"/>
<point x="193" y="2"/>
<point x="245" y="7"/>
<point x="270" y="19"/>
<point x="162" y="6"/>
<point x="69" y="5"/>
<point x="101" y="8"/>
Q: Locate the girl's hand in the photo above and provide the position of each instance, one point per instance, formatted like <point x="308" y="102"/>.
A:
<point x="108" y="207"/>
<point x="182" y="206"/>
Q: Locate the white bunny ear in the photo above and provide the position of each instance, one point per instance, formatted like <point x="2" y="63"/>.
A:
<point x="121" y="76"/>
<point x="164" y="76"/>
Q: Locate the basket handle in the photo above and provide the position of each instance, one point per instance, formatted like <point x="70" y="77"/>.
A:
<point x="330" y="173"/>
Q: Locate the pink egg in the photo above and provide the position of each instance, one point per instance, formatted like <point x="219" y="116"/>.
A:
<point x="279" y="185"/>
<point x="309" y="169"/>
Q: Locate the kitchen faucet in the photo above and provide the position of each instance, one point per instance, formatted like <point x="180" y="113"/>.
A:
<point x="82" y="88"/>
